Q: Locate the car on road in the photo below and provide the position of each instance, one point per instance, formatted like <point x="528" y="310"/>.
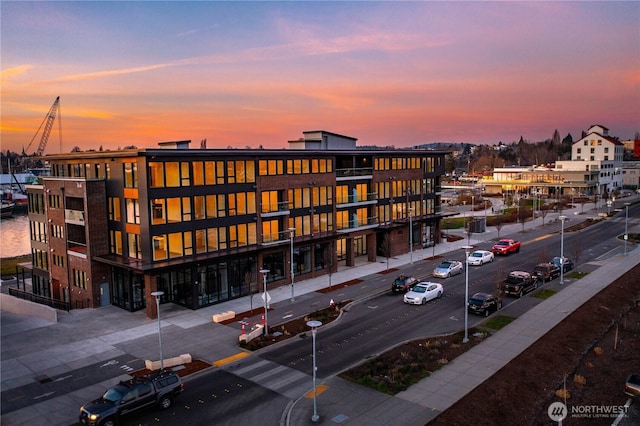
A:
<point x="448" y="268"/>
<point x="518" y="283"/>
<point x="484" y="304"/>
<point x="403" y="283"/>
<point x="506" y="246"/>
<point x="546" y="271"/>
<point x="567" y="264"/>
<point x="632" y="386"/>
<point x="480" y="257"/>
<point x="159" y="389"/>
<point x="423" y="292"/>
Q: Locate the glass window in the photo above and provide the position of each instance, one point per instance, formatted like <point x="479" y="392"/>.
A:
<point x="198" y="173"/>
<point x="156" y="175"/>
<point x="212" y="209"/>
<point x="130" y="175"/>
<point x="210" y="172"/>
<point x="160" y="247"/>
<point x="133" y="243"/>
<point x="172" y="174"/>
<point x="175" y="245"/>
<point x="201" y="241"/>
<point x="133" y="210"/>
<point x="199" y="207"/>
<point x="174" y="213"/>
<point x="158" y="211"/>
<point x="220" y="172"/>
<point x="185" y="178"/>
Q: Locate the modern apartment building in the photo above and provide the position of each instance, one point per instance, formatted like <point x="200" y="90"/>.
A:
<point x="111" y="227"/>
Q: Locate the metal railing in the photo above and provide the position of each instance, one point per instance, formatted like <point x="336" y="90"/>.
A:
<point x="25" y="295"/>
<point x="363" y="171"/>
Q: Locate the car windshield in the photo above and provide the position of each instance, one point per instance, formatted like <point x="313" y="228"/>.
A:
<point x="114" y="394"/>
<point x="445" y="265"/>
<point x="419" y="289"/>
<point x="475" y="301"/>
<point x="476" y="254"/>
<point x="515" y="280"/>
<point x="503" y="243"/>
<point x="540" y="268"/>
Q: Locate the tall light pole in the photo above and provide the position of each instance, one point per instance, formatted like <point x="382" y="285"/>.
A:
<point x="485" y="214"/>
<point x="562" y="219"/>
<point x="626" y="219"/>
<point x="410" y="235"/>
<point x="466" y="293"/>
<point x="314" y="329"/>
<point x="158" y="295"/>
<point x="264" y="273"/>
<point x="291" y="234"/>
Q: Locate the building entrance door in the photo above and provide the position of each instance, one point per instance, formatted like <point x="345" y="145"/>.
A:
<point x="105" y="296"/>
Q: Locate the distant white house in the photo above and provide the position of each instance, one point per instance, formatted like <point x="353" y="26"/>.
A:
<point x="597" y="151"/>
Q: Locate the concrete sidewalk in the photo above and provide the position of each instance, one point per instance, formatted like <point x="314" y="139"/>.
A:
<point x="33" y="349"/>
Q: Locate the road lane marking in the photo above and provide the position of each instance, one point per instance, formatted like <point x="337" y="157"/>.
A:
<point x="230" y="359"/>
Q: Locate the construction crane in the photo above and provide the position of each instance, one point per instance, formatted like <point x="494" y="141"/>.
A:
<point x="48" y="124"/>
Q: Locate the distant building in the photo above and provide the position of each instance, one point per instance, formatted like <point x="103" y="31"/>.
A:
<point x="111" y="227"/>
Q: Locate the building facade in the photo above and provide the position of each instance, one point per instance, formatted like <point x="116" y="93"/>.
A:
<point x="199" y="224"/>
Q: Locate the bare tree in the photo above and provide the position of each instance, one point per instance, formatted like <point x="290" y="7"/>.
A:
<point x="251" y="282"/>
<point x="523" y="213"/>
<point x="328" y="259"/>
<point x="542" y="255"/>
<point x="498" y="222"/>
<point x="543" y="213"/>
<point x="385" y="247"/>
<point x="499" y="279"/>
<point x="576" y="248"/>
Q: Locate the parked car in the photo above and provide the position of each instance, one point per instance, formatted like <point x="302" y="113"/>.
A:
<point x="518" y="283"/>
<point x="566" y="263"/>
<point x="403" y="283"/>
<point x="546" y="271"/>
<point x="480" y="257"/>
<point x="423" y="292"/>
<point x="506" y="246"/>
<point x="484" y="304"/>
<point x="127" y="396"/>
<point x="632" y="386"/>
<point x="448" y="268"/>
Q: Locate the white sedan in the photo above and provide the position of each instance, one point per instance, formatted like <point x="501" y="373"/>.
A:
<point x="480" y="257"/>
<point x="448" y="268"/>
<point x="423" y="292"/>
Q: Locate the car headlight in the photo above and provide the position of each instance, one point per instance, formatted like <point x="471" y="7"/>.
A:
<point x="93" y="417"/>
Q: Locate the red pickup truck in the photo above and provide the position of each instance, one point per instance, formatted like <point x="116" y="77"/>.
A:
<point x="506" y="246"/>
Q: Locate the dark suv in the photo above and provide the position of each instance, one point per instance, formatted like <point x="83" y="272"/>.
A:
<point x="518" y="283"/>
<point x="403" y="284"/>
<point x="484" y="304"/>
<point x="546" y="271"/>
<point x="127" y="396"/>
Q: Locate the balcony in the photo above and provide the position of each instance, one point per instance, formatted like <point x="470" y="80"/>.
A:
<point x="276" y="238"/>
<point x="354" y="200"/>
<point x="277" y="209"/>
<point x="353" y="225"/>
<point x="354" y="173"/>
<point x="77" y="249"/>
<point x="74" y="216"/>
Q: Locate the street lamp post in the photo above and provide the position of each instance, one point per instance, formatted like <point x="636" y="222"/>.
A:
<point x="314" y="329"/>
<point x="264" y="273"/>
<point x="609" y="207"/>
<point x="485" y="214"/>
<point x="466" y="293"/>
<point x="626" y="219"/>
<point x="291" y="235"/>
<point x="562" y="219"/>
<point x="158" y="295"/>
<point x="410" y="235"/>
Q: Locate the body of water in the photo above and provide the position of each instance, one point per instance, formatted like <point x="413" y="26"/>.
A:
<point x="14" y="236"/>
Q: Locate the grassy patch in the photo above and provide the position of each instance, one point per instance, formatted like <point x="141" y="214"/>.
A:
<point x="497" y="322"/>
<point x="8" y="265"/>
<point x="397" y="369"/>
<point x="544" y="293"/>
<point x="576" y="274"/>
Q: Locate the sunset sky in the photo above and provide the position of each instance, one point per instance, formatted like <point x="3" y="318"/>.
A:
<point x="245" y="74"/>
